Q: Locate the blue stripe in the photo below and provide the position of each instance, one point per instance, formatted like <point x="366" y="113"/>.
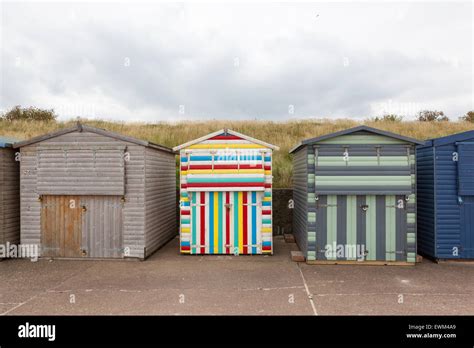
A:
<point x="266" y="243"/>
<point x="185" y="204"/>
<point x="266" y="204"/>
<point x="268" y="158"/>
<point x="184" y="159"/>
<point x="201" y="158"/>
<point x="211" y="222"/>
<point x="254" y="222"/>
<point x="185" y="244"/>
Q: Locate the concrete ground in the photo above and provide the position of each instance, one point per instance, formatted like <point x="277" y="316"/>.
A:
<point x="169" y="283"/>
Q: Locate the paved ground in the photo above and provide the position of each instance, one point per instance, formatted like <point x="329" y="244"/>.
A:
<point x="168" y="283"/>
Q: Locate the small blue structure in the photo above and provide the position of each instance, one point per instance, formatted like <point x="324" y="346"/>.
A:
<point x="9" y="194"/>
<point x="446" y="197"/>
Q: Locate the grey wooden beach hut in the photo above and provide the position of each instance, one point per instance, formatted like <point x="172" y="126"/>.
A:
<point x="90" y="193"/>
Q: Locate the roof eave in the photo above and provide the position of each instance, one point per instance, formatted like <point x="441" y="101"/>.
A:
<point x="229" y="131"/>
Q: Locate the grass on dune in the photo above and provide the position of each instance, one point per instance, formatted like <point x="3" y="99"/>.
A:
<point x="284" y="134"/>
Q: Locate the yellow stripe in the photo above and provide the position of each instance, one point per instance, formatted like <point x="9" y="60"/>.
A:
<point x="185" y="230"/>
<point x="226" y="146"/>
<point x="267" y="199"/>
<point x="223" y="171"/>
<point x="268" y="172"/>
<point x="216" y="223"/>
<point x="266" y="229"/>
<point x="185" y="199"/>
<point x="241" y="224"/>
<point x="185" y="251"/>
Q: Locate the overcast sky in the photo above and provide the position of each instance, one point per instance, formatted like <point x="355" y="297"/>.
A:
<point x="157" y="62"/>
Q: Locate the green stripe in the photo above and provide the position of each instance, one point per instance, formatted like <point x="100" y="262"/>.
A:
<point x="351" y="228"/>
<point x="355" y="161"/>
<point x="363" y="180"/>
<point x="371" y="223"/>
<point x="331" y="222"/>
<point x="193" y="232"/>
<point x="362" y="139"/>
<point x="267" y="194"/>
<point x="266" y="221"/>
<point x="204" y="180"/>
<point x="185" y="221"/>
<point x="220" y="230"/>
<point x="390" y="228"/>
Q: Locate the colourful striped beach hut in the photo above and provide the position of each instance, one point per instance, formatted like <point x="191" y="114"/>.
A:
<point x="226" y="195"/>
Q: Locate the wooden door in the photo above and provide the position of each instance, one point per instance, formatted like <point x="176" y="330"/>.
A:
<point x="61" y="221"/>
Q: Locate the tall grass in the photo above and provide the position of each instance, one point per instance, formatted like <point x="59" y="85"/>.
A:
<point x="284" y="134"/>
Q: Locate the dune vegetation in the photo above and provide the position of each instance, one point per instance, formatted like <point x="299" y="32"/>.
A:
<point x="283" y="134"/>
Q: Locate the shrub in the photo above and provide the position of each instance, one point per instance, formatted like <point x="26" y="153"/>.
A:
<point x="432" y="116"/>
<point x="468" y="117"/>
<point x="18" y="113"/>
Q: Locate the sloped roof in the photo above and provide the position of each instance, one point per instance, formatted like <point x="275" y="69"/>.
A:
<point x="449" y="139"/>
<point x="226" y="131"/>
<point x="83" y="128"/>
<point x="354" y="130"/>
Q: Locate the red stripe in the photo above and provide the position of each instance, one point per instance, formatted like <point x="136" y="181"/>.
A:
<point x="227" y="184"/>
<point x="185" y="247"/>
<point x="184" y="168"/>
<point x="183" y="186"/>
<point x="245" y="217"/>
<point x="227" y="222"/>
<point x="203" y="225"/>
<point x="185" y="212"/>
<point x="225" y="137"/>
<point x="224" y="166"/>
<point x="266" y="212"/>
<point x="268" y="168"/>
<point x="268" y="186"/>
<point x="266" y="248"/>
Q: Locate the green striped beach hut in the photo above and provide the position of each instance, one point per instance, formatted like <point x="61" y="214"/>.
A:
<point x="354" y="197"/>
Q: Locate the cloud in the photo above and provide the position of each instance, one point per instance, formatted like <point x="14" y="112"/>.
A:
<point x="153" y="62"/>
